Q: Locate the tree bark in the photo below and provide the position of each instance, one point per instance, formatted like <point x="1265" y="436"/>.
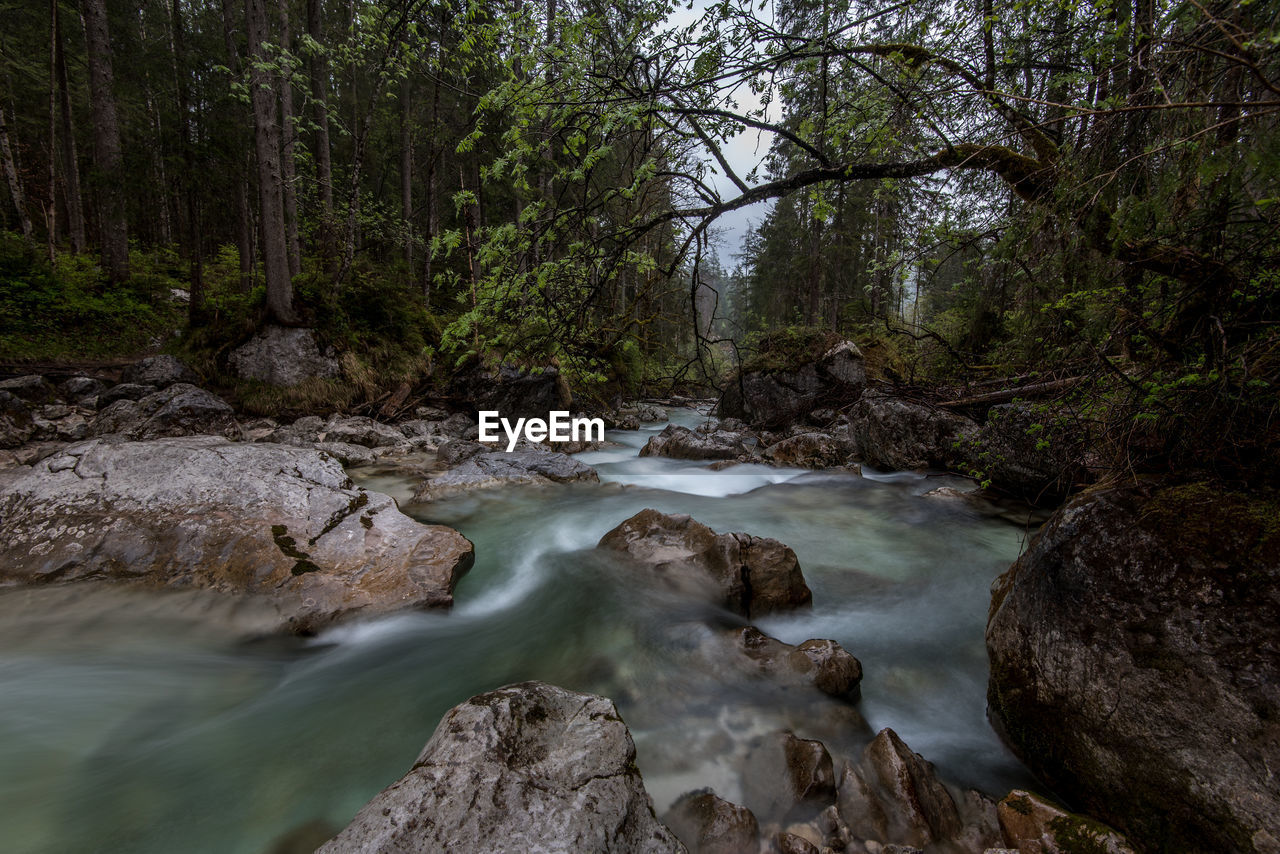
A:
<point x="14" y="177"/>
<point x="70" y="160"/>
<point x="195" y="235"/>
<point x="320" y="94"/>
<point x="243" y="166"/>
<point x="113" y="225"/>
<point x="266" y="126"/>
<point x="289" y="169"/>
<point x="406" y="173"/>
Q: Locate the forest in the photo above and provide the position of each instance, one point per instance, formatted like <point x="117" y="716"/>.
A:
<point x="1061" y="189"/>
<point x="930" y="355"/>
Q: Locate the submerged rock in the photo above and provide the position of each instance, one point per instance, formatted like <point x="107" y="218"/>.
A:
<point x="708" y="824"/>
<point x="526" y="768"/>
<point x="786" y="778"/>
<point x="752" y="576"/>
<point x="684" y="444"/>
<point x="1135" y="663"/>
<point x="770" y="398"/>
<point x="524" y="466"/>
<point x="283" y="357"/>
<point x="267" y="521"/>
<point x="824" y="664"/>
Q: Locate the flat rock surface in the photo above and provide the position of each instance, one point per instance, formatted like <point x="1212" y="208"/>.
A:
<point x="260" y="520"/>
<point x="527" y="768"/>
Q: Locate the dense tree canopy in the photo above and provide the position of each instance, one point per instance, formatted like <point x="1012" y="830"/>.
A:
<point x="1079" y="188"/>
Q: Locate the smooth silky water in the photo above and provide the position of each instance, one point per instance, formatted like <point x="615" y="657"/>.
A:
<point x="134" y="722"/>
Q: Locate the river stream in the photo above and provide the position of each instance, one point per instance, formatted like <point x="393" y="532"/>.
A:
<point x="128" y="725"/>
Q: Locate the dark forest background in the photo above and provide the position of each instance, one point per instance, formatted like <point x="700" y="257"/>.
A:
<point x="1077" y="194"/>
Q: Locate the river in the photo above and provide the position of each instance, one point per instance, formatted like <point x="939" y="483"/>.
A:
<point x="133" y="722"/>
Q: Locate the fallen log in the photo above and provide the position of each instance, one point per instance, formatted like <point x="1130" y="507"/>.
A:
<point x="1006" y="395"/>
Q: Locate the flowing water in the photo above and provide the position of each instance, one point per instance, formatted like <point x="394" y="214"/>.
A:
<point x="137" y="722"/>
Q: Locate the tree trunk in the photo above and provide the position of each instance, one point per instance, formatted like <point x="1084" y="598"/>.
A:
<point x="113" y="226"/>
<point x="243" y="166"/>
<point x="319" y="93"/>
<point x="70" y="161"/>
<point x="14" y="178"/>
<point x="51" y="210"/>
<point x="266" y="126"/>
<point x="289" y="169"/>
<point x="195" y="236"/>
<point x="406" y="173"/>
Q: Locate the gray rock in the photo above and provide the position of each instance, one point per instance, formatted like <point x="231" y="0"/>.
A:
<point x="459" y="425"/>
<point x="527" y="768"/>
<point x="823" y="664"/>
<point x="516" y="392"/>
<point x="752" y="576"/>
<point x="304" y="432"/>
<point x="124" y="391"/>
<point x="431" y="413"/>
<point x="708" y="824"/>
<point x="1134" y="663"/>
<point x="526" y="465"/>
<point x="361" y="430"/>
<point x="160" y="371"/>
<point x="417" y="429"/>
<point x="179" y="410"/>
<point x="650" y="414"/>
<point x="32" y="388"/>
<point x="78" y="388"/>
<point x="918" y="807"/>
<point x="456" y="451"/>
<point x="281" y="525"/>
<point x="282" y="357"/>
<point x="893" y="433"/>
<point x="16" y="424"/>
<point x="809" y="450"/>
<point x="684" y="444"/>
<point x="786" y="778"/>
<point x="770" y="398"/>
<point x="348" y="455"/>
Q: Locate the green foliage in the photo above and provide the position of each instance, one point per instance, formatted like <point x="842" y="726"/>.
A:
<point x="68" y="309"/>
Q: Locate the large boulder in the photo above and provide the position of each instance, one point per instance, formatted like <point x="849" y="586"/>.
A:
<point x="516" y="392"/>
<point x="1028" y="821"/>
<point x="526" y="768"/>
<point x="283" y="357"/>
<point x="894" y="433"/>
<point x="1135" y="664"/>
<point x="523" y="466"/>
<point x="266" y="521"/>
<point x="160" y="371"/>
<point x="179" y="410"/>
<point x="1036" y="453"/>
<point x="780" y="396"/>
<point x="681" y="443"/>
<point x="752" y="576"/>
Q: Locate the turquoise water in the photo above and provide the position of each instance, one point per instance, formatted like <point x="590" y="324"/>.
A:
<point x="144" y="722"/>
